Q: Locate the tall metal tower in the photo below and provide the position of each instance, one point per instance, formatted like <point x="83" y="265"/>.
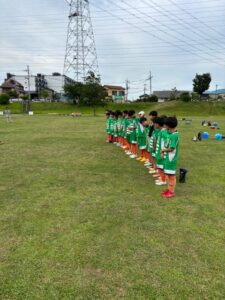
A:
<point x="81" y="55"/>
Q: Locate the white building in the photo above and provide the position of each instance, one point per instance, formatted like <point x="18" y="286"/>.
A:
<point x="54" y="83"/>
<point x="24" y="81"/>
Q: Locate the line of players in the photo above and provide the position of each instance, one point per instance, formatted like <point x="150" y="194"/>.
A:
<point x="156" y="142"/>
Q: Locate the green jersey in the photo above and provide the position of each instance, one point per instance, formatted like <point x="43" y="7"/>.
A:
<point x="116" y="127"/>
<point x="128" y="129"/>
<point x="107" y="125"/>
<point x="160" y="144"/>
<point x="152" y="141"/>
<point x="110" y="125"/>
<point x="141" y="133"/>
<point x="171" y="158"/>
<point x="133" y="126"/>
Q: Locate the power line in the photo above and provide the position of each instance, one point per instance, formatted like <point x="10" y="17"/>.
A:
<point x="178" y="20"/>
<point x="154" y="35"/>
<point x="167" y="27"/>
<point x="211" y="8"/>
<point x="194" y="17"/>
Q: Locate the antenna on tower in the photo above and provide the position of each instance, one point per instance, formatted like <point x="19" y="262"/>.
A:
<point x="81" y="55"/>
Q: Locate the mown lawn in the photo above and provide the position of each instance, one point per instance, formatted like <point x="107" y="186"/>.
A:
<point x="180" y="108"/>
<point x="79" y="220"/>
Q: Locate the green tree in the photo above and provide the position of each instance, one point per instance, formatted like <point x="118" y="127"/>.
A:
<point x="74" y="92"/>
<point x="90" y="93"/>
<point x="93" y="92"/>
<point x="153" y="98"/>
<point x="4" y="99"/>
<point x="185" y="97"/>
<point x="44" y="94"/>
<point x="13" y="94"/>
<point x="201" y="83"/>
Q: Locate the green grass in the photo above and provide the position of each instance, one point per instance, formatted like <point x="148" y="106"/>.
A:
<point x="173" y="107"/>
<point x="79" y="220"/>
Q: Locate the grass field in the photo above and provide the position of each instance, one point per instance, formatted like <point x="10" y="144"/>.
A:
<point x="180" y="108"/>
<point x="79" y="220"/>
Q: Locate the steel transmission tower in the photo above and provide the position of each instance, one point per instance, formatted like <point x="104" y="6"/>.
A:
<point x="81" y="55"/>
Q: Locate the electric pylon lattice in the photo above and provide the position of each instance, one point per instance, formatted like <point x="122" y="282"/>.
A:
<point x="81" y="55"/>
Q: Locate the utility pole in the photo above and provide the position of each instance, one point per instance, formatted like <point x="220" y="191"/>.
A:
<point x="28" y="102"/>
<point x="216" y="91"/>
<point x="145" y="88"/>
<point x="127" y="89"/>
<point x="150" y="82"/>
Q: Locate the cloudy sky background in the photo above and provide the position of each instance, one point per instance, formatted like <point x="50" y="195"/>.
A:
<point x="174" y="39"/>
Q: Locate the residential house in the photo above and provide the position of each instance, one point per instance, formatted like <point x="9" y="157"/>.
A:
<point x="220" y="93"/>
<point x="115" y="93"/>
<point x="166" y="95"/>
<point x="11" y="85"/>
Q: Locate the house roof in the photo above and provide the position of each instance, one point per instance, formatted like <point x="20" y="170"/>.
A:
<point x="217" y="92"/>
<point x="11" y="83"/>
<point x="167" y="94"/>
<point x="114" y="87"/>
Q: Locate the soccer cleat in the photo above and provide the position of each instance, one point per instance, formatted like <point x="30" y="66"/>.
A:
<point x="151" y="169"/>
<point x="169" y="195"/>
<point x="140" y="158"/>
<point x="128" y="153"/>
<point x="133" y="156"/>
<point x="152" y="172"/>
<point x="156" y="175"/>
<point x="166" y="191"/>
<point x="160" y="183"/>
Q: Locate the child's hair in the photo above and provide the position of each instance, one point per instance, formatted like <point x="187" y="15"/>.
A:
<point x="171" y="122"/>
<point x="142" y="120"/>
<point x="118" y="113"/>
<point x="107" y="114"/>
<point x="160" y="121"/>
<point x="125" y="112"/>
<point x="131" y="113"/>
<point x="153" y="113"/>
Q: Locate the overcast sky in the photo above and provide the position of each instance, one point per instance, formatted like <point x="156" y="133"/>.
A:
<point x="174" y="39"/>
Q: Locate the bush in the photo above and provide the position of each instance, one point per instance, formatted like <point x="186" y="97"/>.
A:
<point x="195" y="97"/>
<point x="185" y="97"/>
<point x="4" y="99"/>
<point x="152" y="98"/>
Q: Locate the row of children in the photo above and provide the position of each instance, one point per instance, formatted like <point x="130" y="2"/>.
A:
<point x="157" y="142"/>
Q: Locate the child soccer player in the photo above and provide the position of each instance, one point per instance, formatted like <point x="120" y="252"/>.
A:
<point x="116" y="128"/>
<point x="128" y="123"/>
<point x="160" y="144"/>
<point x="123" y="129"/>
<point x="119" y="128"/>
<point x="152" y="148"/>
<point x="149" y="164"/>
<point x="170" y="155"/>
<point x="142" y="138"/>
<point x="133" y="135"/>
<point x="111" y="127"/>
